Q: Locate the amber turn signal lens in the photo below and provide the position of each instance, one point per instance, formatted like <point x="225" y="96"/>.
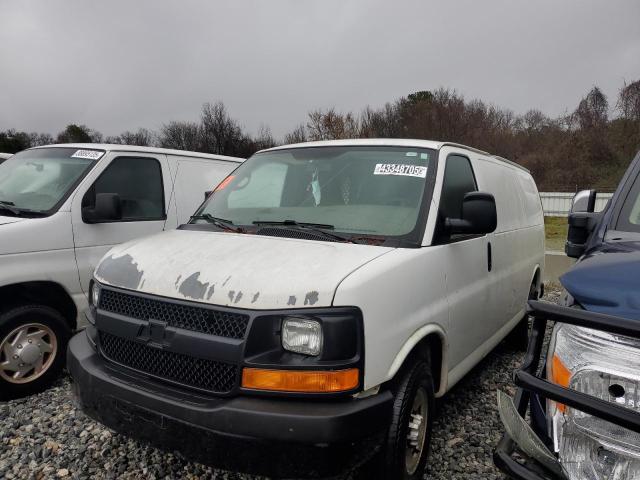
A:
<point x="560" y="375"/>
<point x="307" y="381"/>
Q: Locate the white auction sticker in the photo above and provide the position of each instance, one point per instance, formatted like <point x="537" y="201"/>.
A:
<point x="88" y="154"/>
<point x="400" y="169"/>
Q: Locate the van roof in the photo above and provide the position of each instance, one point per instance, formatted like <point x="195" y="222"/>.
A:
<point x="135" y="148"/>
<point x="393" y="142"/>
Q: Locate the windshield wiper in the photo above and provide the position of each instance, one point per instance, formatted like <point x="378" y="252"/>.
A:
<point x="9" y="207"/>
<point x="318" y="228"/>
<point x="218" y="222"/>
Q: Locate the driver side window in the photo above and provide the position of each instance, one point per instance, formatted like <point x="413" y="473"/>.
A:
<point x="138" y="183"/>
<point x="458" y="181"/>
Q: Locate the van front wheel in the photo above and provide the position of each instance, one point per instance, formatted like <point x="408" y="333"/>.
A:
<point x="33" y="343"/>
<point x="410" y="430"/>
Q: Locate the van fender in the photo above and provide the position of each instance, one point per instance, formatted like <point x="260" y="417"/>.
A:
<point x="414" y="340"/>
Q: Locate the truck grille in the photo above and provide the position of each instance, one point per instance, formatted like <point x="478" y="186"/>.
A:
<point x="188" y="317"/>
<point x="209" y="375"/>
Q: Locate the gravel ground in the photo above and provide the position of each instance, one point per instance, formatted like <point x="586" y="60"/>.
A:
<point x="45" y="437"/>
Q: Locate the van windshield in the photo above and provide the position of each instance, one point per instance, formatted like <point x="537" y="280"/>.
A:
<point x="358" y="191"/>
<point x="35" y="181"/>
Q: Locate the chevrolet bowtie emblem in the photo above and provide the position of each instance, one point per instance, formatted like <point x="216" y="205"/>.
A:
<point x="154" y="333"/>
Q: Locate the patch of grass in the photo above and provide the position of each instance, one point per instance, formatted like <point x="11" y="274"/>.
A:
<point x="556" y="232"/>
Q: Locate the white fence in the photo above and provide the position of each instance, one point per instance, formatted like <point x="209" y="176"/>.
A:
<point x="558" y="204"/>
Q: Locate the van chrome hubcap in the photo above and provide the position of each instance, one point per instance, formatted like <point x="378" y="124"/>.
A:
<point x="417" y="431"/>
<point x="27" y="352"/>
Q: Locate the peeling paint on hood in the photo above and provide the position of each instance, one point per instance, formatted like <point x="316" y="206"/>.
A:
<point x="245" y="271"/>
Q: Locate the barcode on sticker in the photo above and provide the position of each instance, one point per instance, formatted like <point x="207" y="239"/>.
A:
<point x="89" y="154"/>
<point x="400" y="169"/>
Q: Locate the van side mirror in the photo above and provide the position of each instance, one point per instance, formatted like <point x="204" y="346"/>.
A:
<point x="108" y="208"/>
<point x="582" y="221"/>
<point x="479" y="215"/>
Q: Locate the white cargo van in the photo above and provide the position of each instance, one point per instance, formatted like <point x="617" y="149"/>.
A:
<point x="314" y="307"/>
<point x="62" y="207"/>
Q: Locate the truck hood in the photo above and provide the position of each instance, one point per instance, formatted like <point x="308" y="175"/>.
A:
<point x="607" y="279"/>
<point x="239" y="270"/>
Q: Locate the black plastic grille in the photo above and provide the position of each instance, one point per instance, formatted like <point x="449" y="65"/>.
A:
<point x="197" y="319"/>
<point x="209" y="375"/>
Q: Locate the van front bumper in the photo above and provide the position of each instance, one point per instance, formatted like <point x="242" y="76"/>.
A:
<point x="277" y="437"/>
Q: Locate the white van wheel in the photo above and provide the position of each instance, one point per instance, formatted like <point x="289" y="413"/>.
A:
<point x="33" y="343"/>
<point x="417" y="430"/>
<point x="27" y="353"/>
<point x="405" y="452"/>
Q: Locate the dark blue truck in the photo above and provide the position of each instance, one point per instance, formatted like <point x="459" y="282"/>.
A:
<point x="582" y="391"/>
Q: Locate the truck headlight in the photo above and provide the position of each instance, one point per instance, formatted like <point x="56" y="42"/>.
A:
<point x="606" y="366"/>
<point x="302" y="335"/>
<point x="95" y="294"/>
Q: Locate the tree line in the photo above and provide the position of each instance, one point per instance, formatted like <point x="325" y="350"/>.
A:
<point x="589" y="147"/>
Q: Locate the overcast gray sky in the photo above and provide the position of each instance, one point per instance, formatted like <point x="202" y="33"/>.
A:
<point x="120" y="65"/>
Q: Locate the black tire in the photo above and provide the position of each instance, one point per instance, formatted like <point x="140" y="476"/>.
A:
<point x="416" y="378"/>
<point x="17" y="317"/>
<point x="518" y="339"/>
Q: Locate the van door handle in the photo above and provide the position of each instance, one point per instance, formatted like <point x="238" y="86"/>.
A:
<point x="489" y="257"/>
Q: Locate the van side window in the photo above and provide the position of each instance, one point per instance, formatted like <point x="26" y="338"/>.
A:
<point x="458" y="180"/>
<point x="138" y="182"/>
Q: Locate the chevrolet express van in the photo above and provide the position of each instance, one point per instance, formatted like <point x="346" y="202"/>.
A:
<point x="62" y="207"/>
<point x="312" y="309"/>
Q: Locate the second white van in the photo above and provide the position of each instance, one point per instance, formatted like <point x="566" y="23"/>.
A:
<point x="314" y="307"/>
<point x="62" y="207"/>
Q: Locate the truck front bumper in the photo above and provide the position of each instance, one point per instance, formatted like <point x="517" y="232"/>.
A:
<point x="277" y="437"/>
<point x="530" y="443"/>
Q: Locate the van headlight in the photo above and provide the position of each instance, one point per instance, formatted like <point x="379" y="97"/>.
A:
<point x="95" y="294"/>
<point x="302" y="335"/>
<point x="606" y="366"/>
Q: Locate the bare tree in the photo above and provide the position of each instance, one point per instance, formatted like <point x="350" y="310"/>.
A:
<point x="330" y="125"/>
<point x="220" y="133"/>
<point x="141" y="137"/>
<point x="39" y="139"/>
<point x="180" y="135"/>
<point x="264" y="139"/>
<point x="297" y="135"/>
<point x="629" y="101"/>
<point x="592" y="111"/>
<point x="382" y="123"/>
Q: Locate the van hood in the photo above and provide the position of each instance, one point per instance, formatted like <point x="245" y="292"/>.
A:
<point x="606" y="280"/>
<point x="5" y="220"/>
<point x="239" y="270"/>
<point x="28" y="235"/>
